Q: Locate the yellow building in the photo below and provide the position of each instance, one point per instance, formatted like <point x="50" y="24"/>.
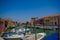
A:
<point x="33" y="21"/>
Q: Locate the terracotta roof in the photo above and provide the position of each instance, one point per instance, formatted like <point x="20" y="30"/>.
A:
<point x="56" y="15"/>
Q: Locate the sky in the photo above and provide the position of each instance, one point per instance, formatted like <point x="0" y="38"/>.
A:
<point x="24" y="10"/>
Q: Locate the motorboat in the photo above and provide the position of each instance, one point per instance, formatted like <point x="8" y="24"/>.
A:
<point x="39" y="36"/>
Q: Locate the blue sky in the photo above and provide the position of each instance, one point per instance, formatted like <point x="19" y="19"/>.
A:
<point x="23" y="10"/>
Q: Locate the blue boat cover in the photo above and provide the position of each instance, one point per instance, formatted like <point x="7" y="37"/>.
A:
<point x="52" y="37"/>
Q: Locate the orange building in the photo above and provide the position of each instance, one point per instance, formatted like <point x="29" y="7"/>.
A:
<point x="11" y="22"/>
<point x="5" y="23"/>
<point x="2" y="26"/>
<point x="51" y="20"/>
<point x="47" y="20"/>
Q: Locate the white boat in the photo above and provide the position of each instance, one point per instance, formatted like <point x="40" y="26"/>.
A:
<point x="39" y="36"/>
<point x="31" y="37"/>
<point x="15" y="36"/>
<point x="1" y="38"/>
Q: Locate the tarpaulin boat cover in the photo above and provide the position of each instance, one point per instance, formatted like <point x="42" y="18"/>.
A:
<point x="52" y="37"/>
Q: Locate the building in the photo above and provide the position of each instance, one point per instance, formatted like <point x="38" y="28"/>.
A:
<point x="51" y="20"/>
<point x="11" y="22"/>
<point x="22" y="24"/>
<point x="33" y="21"/>
<point x="4" y="23"/>
<point x="2" y="26"/>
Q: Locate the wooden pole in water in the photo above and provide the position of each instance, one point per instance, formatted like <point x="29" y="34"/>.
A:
<point x="59" y="28"/>
<point x="26" y="27"/>
<point x="35" y="30"/>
